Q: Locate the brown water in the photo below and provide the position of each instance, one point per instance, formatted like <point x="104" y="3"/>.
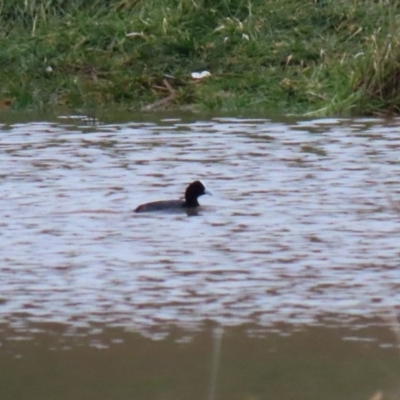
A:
<point x="300" y="240"/>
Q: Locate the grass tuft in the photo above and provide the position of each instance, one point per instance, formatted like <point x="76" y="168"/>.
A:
<point x="320" y="57"/>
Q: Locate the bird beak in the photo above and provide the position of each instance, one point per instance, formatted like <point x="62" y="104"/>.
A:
<point x="208" y="192"/>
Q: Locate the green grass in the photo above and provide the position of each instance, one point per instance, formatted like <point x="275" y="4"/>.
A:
<point x="320" y="57"/>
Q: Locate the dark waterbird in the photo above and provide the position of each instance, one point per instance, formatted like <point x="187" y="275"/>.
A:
<point x="190" y="202"/>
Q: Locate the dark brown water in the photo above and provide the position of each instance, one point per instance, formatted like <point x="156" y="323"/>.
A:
<point x="296" y="255"/>
<point x="111" y="363"/>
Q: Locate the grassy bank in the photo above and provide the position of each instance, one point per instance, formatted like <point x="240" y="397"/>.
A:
<point x="321" y="57"/>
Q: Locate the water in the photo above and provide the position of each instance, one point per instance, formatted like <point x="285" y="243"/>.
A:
<point x="302" y="228"/>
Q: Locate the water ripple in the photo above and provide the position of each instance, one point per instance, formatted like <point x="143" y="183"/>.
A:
<point x="302" y="223"/>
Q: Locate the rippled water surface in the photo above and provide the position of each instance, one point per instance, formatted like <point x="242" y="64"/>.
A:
<point x="303" y="226"/>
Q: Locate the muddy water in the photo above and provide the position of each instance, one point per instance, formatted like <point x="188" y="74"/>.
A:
<point x="302" y="230"/>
